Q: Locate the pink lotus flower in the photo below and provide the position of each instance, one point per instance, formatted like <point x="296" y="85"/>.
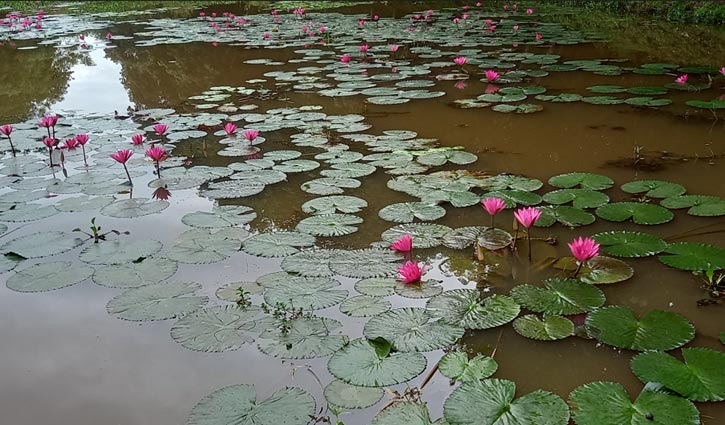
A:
<point x="6" y="129"/>
<point x="161" y="193"/>
<point x="48" y="121"/>
<point x="493" y="206"/>
<point x="364" y="48"/>
<point x="321" y="29"/>
<point x="516" y="6"/>
<point x="82" y="37"/>
<point x="376" y="17"/>
<point x="492" y="75"/>
<point x="230" y="128"/>
<point x="682" y="79"/>
<point x="161" y="129"/>
<point x="410" y="272"/>
<point x="394" y="48"/>
<point x="529" y="11"/>
<point x="361" y="22"/>
<point x="265" y="36"/>
<point x="202" y="14"/>
<point x="250" y="135"/>
<point x="122" y="156"/>
<point x="722" y="70"/>
<point x="404" y="244"/>
<point x="49" y="142"/>
<point x="506" y="7"/>
<point x="82" y="138"/>
<point x="527" y="216"/>
<point x="460" y="60"/>
<point x="109" y="36"/>
<point x="274" y="12"/>
<point x="492" y="28"/>
<point x="345" y="58"/>
<point x="464" y="16"/>
<point x="156" y="153"/>
<point x="539" y="36"/>
<point x="70" y="144"/>
<point x="456" y="21"/>
<point x="516" y="27"/>
<point x="137" y="139"/>
<point x="478" y="4"/>
<point x="584" y="249"/>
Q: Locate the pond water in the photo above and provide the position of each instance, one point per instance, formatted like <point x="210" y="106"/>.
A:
<point x="144" y="327"/>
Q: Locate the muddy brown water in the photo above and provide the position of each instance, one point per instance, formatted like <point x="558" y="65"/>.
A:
<point x="65" y="360"/>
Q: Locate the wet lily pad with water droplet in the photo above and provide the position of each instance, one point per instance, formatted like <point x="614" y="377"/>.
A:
<point x="657" y="330"/>
<point x="277" y="244"/>
<point x="640" y="213"/>
<point x="41" y="244"/>
<point x="306" y="338"/>
<point x="424" y="235"/>
<point x="220" y="328"/>
<point x="559" y="296"/>
<point x="700" y="378"/>
<point x="550" y="328"/>
<point x="583" y="180"/>
<point x="364" y="306"/>
<point x="220" y="216"/>
<point x="341" y="394"/>
<point x="329" y="225"/>
<point x="630" y="244"/>
<point x="135" y="274"/>
<point x="412" y="329"/>
<point x="359" y="364"/>
<point x="607" y="403"/>
<point x="491" y="402"/>
<point x="158" y="301"/>
<point x="457" y="366"/>
<point x="694" y="256"/>
<point x="334" y="204"/>
<point x="120" y="251"/>
<point x="654" y="188"/>
<point x="48" y="276"/>
<point x="465" y="308"/>
<point x="238" y="404"/>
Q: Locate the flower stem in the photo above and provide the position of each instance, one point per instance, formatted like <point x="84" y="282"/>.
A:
<point x="128" y="175"/>
<point x="84" y="155"/>
<point x="158" y="169"/>
<point x="492" y="216"/>
<point x="528" y="239"/>
<point x="11" y="145"/>
<point x="50" y="156"/>
<point x="516" y="237"/>
<point x="578" y="269"/>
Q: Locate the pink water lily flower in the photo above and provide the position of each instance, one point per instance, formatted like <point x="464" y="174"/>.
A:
<point x="70" y="144"/>
<point x="722" y="70"/>
<point x="456" y="20"/>
<point x="478" y="4"/>
<point x="460" y="60"/>
<point x="49" y="142"/>
<point x="6" y="129"/>
<point x="403" y="244"/>
<point x="410" y="272"/>
<point x="584" y="249"/>
<point x="682" y="79"/>
<point x="516" y="27"/>
<point x="361" y="22"/>
<point x="122" y="155"/>
<point x="157" y="154"/>
<point x="137" y="139"/>
<point x="161" y="129"/>
<point x="539" y="36"/>
<point x="250" y="135"/>
<point x="345" y="58"/>
<point x="109" y="36"/>
<point x="529" y="11"/>
<point x="527" y="216"/>
<point x="265" y="36"/>
<point x="364" y="48"/>
<point x="376" y="17"/>
<point x="394" y="48"/>
<point x="82" y="138"/>
<point x="230" y="128"/>
<point x="492" y="75"/>
<point x="493" y="206"/>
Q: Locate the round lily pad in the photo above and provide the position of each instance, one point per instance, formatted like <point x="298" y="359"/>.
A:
<point x="306" y="293"/>
<point x="404" y="412"/>
<point x="699" y="205"/>
<point x="359" y="364"/>
<point x="304" y="338"/>
<point x="131" y="275"/>
<point x="329" y="225"/>
<point x="560" y="296"/>
<point x="205" y="246"/>
<point x="564" y="214"/>
<point x="624" y="243"/>
<point x="580" y="198"/>
<point x="122" y="251"/>
<point x="465" y="308"/>
<point x="656" y="330"/>
<point x="654" y="188"/>
<point x="550" y="328"/>
<point x="376" y="287"/>
<point x="583" y="180"/>
<point x="640" y="213"/>
<point x="41" y="244"/>
<point x="424" y="235"/>
<point x="135" y="207"/>
<point x="334" y="204"/>
<point x="457" y="366"/>
<point x="412" y="329"/>
<point x="694" y="256"/>
<point x="341" y="394"/>
<point x="364" y="306"/>
<point x="329" y="185"/>
<point x="599" y="270"/>
<point x="220" y="328"/>
<point x="277" y="244"/>
<point x="48" y="276"/>
<point x="221" y="216"/>
<point x="494" y="239"/>
<point x="407" y="212"/>
<point x="158" y="301"/>
<point x="418" y="290"/>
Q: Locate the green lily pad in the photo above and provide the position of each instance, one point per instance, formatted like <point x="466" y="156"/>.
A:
<point x="277" y="244"/>
<point x="230" y="291"/>
<point x="550" y="328"/>
<point x="357" y="264"/>
<point x="48" y="276"/>
<point x="329" y="225"/>
<point x="583" y="180"/>
<point x="442" y="157"/>
<point x="296" y="166"/>
<point x="120" y="251"/>
<point x="206" y="246"/>
<point x="158" y="301"/>
<point x="306" y="338"/>
<point x="364" y="306"/>
<point x="602" y="100"/>
<point x="407" y="212"/>
<point x="640" y="213"/>
<point x="220" y="216"/>
<point x="702" y="104"/>
<point x="656" y="330"/>
<point x="463" y="237"/>
<point x="83" y="203"/>
<point x="694" y="256"/>
<point x="424" y="235"/>
<point x="560" y="296"/>
<point x="135" y="274"/>
<point x="457" y="366"/>
<point x="412" y="329"/>
<point x="606" y="89"/>
<point x="599" y="270"/>
<point x="334" y="204"/>
<point x="463" y="307"/>
<point x="41" y="244"/>
<point x="491" y="402"/>
<point x="418" y="290"/>
<point x="346" y="396"/>
<point x="580" y="198"/>
<point x="238" y="404"/>
<point x="624" y="243"/>
<point x="513" y="197"/>
<point x="220" y="328"/>
<point x="306" y="293"/>
<point x="700" y="378"/>
<point x="494" y="239"/>
<point x="607" y="403"/>
<point x="329" y="185"/>
<point x="404" y="412"/>
<point x="135" y="207"/>
<point x="376" y="287"/>
<point x="559" y="98"/>
<point x="566" y="215"/>
<point x="522" y="108"/>
<point x="699" y="205"/>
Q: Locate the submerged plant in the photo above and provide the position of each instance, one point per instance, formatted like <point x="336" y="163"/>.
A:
<point x="96" y="234"/>
<point x="284" y="314"/>
<point x="244" y="297"/>
<point x="583" y="249"/>
<point x="122" y="156"/>
<point x="6" y="130"/>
